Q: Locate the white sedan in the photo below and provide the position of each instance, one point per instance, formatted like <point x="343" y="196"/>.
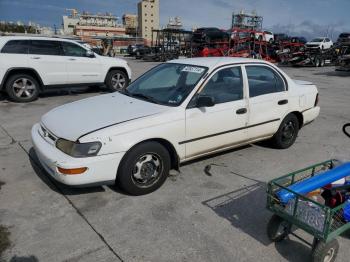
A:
<point x="177" y="111"/>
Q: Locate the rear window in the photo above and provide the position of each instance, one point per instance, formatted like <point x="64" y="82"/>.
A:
<point x="45" y="47"/>
<point x="16" y="47"/>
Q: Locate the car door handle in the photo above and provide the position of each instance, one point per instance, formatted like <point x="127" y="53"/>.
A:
<point x="35" y="57"/>
<point x="241" y="111"/>
<point x="71" y="59"/>
<point x="283" y="102"/>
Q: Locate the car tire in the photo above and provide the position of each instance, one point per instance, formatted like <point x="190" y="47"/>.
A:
<point x="117" y="80"/>
<point x="287" y="132"/>
<point x="22" y="88"/>
<point x="144" y="168"/>
<point x="325" y="251"/>
<point x="277" y="229"/>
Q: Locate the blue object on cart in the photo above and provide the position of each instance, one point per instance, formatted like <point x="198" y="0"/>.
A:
<point x="315" y="182"/>
<point x="346" y="211"/>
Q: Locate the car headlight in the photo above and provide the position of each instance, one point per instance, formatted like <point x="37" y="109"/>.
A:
<point x="77" y="149"/>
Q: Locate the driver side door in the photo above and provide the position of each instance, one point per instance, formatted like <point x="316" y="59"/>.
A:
<point x="223" y="125"/>
<point x="81" y="69"/>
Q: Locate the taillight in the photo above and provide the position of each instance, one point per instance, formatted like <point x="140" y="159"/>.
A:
<point x="317" y="100"/>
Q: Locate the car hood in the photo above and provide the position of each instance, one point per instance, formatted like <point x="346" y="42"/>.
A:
<point x="73" y="120"/>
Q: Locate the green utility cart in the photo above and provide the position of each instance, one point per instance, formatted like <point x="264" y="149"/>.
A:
<point x="322" y="222"/>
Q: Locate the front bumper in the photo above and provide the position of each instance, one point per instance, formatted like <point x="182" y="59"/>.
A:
<point x="311" y="114"/>
<point x="100" y="169"/>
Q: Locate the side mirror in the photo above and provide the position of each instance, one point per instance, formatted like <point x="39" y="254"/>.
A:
<point x="205" y="101"/>
<point x="90" y="54"/>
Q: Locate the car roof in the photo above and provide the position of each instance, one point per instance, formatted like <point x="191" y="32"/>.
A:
<point x="214" y="62"/>
<point x="7" y="38"/>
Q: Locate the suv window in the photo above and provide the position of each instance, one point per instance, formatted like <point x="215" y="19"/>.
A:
<point x="16" y="47"/>
<point x="45" y="47"/>
<point x="225" y="85"/>
<point x="70" y="49"/>
<point x="263" y="80"/>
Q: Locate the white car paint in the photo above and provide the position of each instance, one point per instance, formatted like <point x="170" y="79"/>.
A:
<point x="321" y="43"/>
<point x="120" y="122"/>
<point x="265" y="35"/>
<point x="59" y="69"/>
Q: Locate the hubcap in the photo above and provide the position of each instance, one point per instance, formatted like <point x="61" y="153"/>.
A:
<point x="282" y="229"/>
<point x="23" y="88"/>
<point x="329" y="255"/>
<point x="118" y="81"/>
<point x="288" y="131"/>
<point x="147" y="170"/>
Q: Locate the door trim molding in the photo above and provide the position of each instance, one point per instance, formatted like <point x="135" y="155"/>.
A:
<point x="228" y="131"/>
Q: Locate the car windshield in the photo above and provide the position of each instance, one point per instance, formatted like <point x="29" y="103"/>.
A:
<point x="317" y="40"/>
<point x="167" y="84"/>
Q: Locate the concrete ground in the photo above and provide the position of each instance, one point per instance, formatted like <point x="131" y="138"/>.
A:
<point x="218" y="215"/>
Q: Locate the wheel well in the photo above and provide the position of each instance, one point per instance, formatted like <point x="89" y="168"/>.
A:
<point x="174" y="158"/>
<point x="118" y="68"/>
<point x="28" y="71"/>
<point x="300" y="118"/>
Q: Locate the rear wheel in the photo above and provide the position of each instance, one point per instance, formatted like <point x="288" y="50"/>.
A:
<point x="116" y="80"/>
<point x="144" y="168"/>
<point x="325" y="252"/>
<point x="22" y="88"/>
<point x="287" y="132"/>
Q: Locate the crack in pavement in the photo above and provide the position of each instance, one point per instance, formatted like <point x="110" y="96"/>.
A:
<point x="69" y="201"/>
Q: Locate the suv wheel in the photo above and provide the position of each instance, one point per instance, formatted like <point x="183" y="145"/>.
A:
<point x="22" y="88"/>
<point x="116" y="80"/>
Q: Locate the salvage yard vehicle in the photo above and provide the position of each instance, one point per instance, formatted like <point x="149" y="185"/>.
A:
<point x="176" y="112"/>
<point x="209" y="34"/>
<point x="320" y="43"/>
<point x="30" y="65"/>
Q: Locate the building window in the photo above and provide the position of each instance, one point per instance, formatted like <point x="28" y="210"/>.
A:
<point x="151" y="14"/>
<point x="151" y="21"/>
<point x="145" y="20"/>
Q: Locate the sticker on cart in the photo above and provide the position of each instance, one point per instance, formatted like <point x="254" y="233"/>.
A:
<point x="193" y="69"/>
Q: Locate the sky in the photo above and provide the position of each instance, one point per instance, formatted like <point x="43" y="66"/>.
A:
<point x="309" y="18"/>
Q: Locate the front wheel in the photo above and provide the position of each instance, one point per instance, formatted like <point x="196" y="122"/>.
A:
<point x="116" y="80"/>
<point x="144" y="168"/>
<point x="325" y="252"/>
<point x="287" y="132"/>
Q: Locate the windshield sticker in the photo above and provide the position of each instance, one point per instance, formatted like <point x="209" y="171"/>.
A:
<point x="193" y="69"/>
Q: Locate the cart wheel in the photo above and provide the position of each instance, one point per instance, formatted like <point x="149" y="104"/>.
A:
<point x="277" y="228"/>
<point x="325" y="252"/>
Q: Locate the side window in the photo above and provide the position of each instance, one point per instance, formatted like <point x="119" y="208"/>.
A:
<point x="16" y="47"/>
<point x="263" y="80"/>
<point x="45" y="47"/>
<point x="70" y="49"/>
<point x="328" y="40"/>
<point x="225" y="85"/>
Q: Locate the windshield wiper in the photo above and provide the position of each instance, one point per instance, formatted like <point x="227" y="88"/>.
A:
<point x="143" y="96"/>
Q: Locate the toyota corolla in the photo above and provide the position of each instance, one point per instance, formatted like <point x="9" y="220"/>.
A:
<point x="177" y="111"/>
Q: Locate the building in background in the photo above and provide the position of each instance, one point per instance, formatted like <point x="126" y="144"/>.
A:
<point x="87" y="25"/>
<point x="148" y="18"/>
<point x="174" y="23"/>
<point x="70" y="21"/>
<point x="130" y="23"/>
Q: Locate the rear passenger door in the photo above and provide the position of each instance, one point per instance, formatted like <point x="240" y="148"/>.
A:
<point x="268" y="100"/>
<point x="45" y="56"/>
<point x="222" y="125"/>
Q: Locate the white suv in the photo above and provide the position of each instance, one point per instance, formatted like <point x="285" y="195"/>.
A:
<point x="29" y="65"/>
